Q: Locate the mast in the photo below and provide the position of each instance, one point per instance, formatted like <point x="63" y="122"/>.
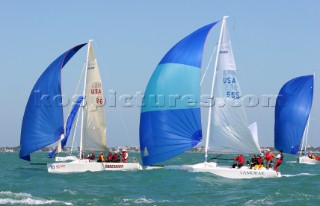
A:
<point x="212" y="88"/>
<point x="306" y="130"/>
<point x="84" y="97"/>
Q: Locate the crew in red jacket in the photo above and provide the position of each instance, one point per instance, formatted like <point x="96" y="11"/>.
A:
<point x="268" y="157"/>
<point x="240" y="161"/>
<point x="279" y="161"/>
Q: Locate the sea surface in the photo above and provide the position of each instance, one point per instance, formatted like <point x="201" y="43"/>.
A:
<point x="25" y="184"/>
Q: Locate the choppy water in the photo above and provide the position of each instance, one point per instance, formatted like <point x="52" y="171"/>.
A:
<point x="25" y="184"/>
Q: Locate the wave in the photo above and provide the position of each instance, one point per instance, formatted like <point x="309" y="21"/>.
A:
<point x="295" y="161"/>
<point x="139" y="200"/>
<point x="143" y="200"/>
<point x="71" y="192"/>
<point x="300" y="174"/>
<point x="8" y="197"/>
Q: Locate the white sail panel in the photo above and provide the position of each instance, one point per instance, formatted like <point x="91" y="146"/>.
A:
<point x="94" y="123"/>
<point x="226" y="59"/>
<point x="229" y="133"/>
<point x="254" y="132"/>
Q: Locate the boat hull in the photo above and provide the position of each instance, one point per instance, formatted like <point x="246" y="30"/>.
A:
<point x="66" y="158"/>
<point x="228" y="172"/>
<point x="92" y="166"/>
<point x="307" y="160"/>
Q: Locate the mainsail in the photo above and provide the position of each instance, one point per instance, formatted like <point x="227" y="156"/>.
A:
<point x="169" y="123"/>
<point x="93" y="123"/>
<point x="292" y="111"/>
<point x="42" y="122"/>
<point x="229" y="133"/>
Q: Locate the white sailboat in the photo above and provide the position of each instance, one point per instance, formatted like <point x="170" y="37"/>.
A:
<point x="93" y="127"/>
<point x="227" y="131"/>
<point x="43" y="125"/>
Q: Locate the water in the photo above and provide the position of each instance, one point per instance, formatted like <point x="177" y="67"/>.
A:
<point x="25" y="184"/>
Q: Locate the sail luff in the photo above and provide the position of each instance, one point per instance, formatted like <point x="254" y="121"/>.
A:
<point x="212" y="88"/>
<point x="85" y="102"/>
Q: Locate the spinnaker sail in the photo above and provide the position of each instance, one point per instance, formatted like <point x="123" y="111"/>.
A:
<point x="170" y="123"/>
<point x="42" y="122"/>
<point x="292" y="111"/>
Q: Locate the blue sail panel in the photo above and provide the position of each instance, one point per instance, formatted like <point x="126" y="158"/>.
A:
<point x="167" y="133"/>
<point x="42" y="122"/>
<point x="292" y="111"/>
<point x="167" y="91"/>
<point x="189" y="50"/>
<point x="170" y="121"/>
<point x="70" y="120"/>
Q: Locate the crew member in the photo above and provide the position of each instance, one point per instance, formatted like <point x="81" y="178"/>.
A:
<point x="101" y="157"/>
<point x="279" y="161"/>
<point x="109" y="157"/>
<point x="268" y="157"/>
<point x="259" y="164"/>
<point x="240" y="161"/>
<point x="115" y="157"/>
<point x="124" y="155"/>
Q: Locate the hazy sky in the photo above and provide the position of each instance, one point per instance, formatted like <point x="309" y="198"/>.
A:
<point x="273" y="42"/>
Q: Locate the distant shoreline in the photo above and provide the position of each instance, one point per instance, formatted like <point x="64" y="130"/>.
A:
<point x="137" y="149"/>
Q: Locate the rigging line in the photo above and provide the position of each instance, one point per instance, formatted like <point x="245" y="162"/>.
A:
<point x="75" y="127"/>
<point x="74" y="132"/>
<point x="209" y="63"/>
<point x="124" y="125"/>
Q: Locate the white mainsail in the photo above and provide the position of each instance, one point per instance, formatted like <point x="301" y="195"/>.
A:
<point x="229" y="133"/>
<point x="93" y="123"/>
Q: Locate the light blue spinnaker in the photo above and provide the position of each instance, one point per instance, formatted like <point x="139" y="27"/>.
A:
<point x="170" y="121"/>
<point x="42" y="122"/>
<point x="70" y="120"/>
<point x="292" y="111"/>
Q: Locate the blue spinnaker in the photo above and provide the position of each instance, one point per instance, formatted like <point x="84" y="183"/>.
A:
<point x="42" y="122"/>
<point x="170" y="121"/>
<point x="70" y="120"/>
<point x="292" y="111"/>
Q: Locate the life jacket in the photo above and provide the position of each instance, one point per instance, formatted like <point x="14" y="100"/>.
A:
<point x="260" y="160"/>
<point x="101" y="158"/>
<point x="240" y="159"/>
<point x="115" y="156"/>
<point x="109" y="157"/>
<point x="268" y="156"/>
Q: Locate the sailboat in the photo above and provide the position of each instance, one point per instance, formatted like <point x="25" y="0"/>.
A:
<point x="43" y="122"/>
<point x="292" y="116"/>
<point x="169" y="130"/>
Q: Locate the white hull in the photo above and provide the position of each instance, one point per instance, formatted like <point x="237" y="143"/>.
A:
<point x="67" y="158"/>
<point x="228" y="172"/>
<point x="92" y="166"/>
<point x="307" y="160"/>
